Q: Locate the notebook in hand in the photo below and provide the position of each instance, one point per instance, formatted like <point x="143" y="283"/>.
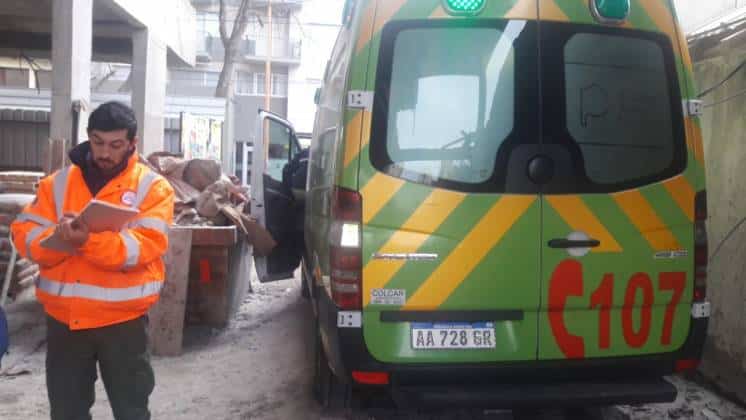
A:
<point x="99" y="216"/>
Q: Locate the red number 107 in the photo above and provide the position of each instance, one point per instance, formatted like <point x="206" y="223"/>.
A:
<point x="567" y="281"/>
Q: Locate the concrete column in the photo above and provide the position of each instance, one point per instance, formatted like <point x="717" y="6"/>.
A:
<point x="149" y="77"/>
<point x="228" y="143"/>
<point x="72" y="26"/>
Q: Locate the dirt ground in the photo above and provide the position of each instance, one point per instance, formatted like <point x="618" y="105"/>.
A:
<point x="260" y="368"/>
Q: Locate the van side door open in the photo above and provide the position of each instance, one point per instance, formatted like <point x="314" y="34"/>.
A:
<point x="272" y="203"/>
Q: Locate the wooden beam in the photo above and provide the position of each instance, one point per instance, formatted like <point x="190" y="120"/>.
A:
<point x="213" y="235"/>
<point x="167" y="316"/>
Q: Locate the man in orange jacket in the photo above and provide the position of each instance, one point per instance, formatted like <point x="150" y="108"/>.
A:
<point x="97" y="297"/>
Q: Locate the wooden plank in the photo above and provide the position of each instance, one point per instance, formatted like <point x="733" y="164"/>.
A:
<point x="214" y="235"/>
<point x="167" y="316"/>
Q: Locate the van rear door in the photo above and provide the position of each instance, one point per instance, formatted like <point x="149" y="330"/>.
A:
<point x="617" y="217"/>
<point x="451" y="218"/>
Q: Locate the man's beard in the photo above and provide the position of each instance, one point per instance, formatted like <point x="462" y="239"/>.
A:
<point x="108" y="166"/>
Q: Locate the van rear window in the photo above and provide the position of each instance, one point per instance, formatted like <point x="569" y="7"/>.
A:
<point x="468" y="105"/>
<point x="440" y="106"/>
<point x="452" y="98"/>
<point x="618" y="106"/>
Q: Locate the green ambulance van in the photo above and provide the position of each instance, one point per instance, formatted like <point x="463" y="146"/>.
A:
<point x="505" y="204"/>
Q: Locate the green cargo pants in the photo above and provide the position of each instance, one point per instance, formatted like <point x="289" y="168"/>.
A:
<point x="122" y="356"/>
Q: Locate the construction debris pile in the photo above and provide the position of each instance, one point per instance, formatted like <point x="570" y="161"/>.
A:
<point x="207" y="197"/>
<point x="17" y="189"/>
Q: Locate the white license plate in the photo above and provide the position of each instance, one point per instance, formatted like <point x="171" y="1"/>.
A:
<point x="453" y="335"/>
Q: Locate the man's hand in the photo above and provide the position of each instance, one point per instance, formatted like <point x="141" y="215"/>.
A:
<point x="73" y="230"/>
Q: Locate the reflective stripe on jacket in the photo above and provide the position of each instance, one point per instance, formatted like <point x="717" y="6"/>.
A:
<point x="115" y="276"/>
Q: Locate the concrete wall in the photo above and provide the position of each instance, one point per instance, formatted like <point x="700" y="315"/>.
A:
<point x="172" y="22"/>
<point x="724" y="129"/>
<point x="695" y="13"/>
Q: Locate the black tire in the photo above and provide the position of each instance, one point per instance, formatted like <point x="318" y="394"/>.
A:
<point x="305" y="290"/>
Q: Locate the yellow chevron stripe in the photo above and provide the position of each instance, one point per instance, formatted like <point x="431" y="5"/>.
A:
<point x="523" y="9"/>
<point x="377" y="193"/>
<point x="548" y="10"/>
<point x="684" y="48"/>
<point x="409" y="238"/>
<point x="360" y="122"/>
<point x="647" y="222"/>
<point x="366" y="26"/>
<point x="470" y="252"/>
<point x="694" y="140"/>
<point x="367" y="121"/>
<point x="375" y="20"/>
<point x="689" y="137"/>
<point x="683" y="194"/>
<point x="580" y="218"/>
<point x="663" y="19"/>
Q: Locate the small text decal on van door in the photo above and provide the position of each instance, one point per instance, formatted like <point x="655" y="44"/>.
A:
<point x="388" y="297"/>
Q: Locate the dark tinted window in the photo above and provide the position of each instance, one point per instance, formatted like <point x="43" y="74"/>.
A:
<point x="435" y="127"/>
<point x="453" y="99"/>
<point x="618" y="106"/>
<point x="612" y="103"/>
<point x="457" y="106"/>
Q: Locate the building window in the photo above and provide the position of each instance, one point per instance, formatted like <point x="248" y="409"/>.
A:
<point x="194" y="79"/>
<point x="245" y="83"/>
<point x="279" y="84"/>
<point x="260" y="84"/>
<point x="208" y="29"/>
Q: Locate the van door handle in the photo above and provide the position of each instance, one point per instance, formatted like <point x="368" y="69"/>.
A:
<point x="568" y="243"/>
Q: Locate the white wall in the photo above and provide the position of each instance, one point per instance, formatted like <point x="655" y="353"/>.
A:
<point x="319" y="24"/>
<point x="695" y="13"/>
<point x="172" y="22"/>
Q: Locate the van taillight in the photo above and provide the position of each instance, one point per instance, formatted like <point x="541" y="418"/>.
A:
<point x="345" y="257"/>
<point x="701" y="253"/>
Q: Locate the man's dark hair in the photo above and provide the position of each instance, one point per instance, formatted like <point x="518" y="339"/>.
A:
<point x="113" y="116"/>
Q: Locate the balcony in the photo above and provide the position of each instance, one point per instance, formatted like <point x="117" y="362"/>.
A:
<point x="284" y="51"/>
<point x="291" y="4"/>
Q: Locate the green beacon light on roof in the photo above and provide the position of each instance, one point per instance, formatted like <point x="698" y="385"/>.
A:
<point x="611" y="11"/>
<point x="464" y="7"/>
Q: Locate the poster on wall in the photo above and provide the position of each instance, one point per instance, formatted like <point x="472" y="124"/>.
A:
<point x="200" y="137"/>
<point x="216" y="139"/>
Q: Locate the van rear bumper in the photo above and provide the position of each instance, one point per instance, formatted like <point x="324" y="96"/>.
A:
<point x="602" y="381"/>
<point x="556" y="395"/>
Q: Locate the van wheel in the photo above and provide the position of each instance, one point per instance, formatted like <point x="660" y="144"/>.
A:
<point x="328" y="391"/>
<point x="305" y="292"/>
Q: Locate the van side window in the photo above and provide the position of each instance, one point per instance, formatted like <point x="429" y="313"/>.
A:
<point x="279" y="152"/>
<point x="618" y="106"/>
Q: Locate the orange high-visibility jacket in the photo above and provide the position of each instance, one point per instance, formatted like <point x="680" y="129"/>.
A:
<point x="115" y="276"/>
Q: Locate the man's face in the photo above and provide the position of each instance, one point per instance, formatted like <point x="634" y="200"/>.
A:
<point x="110" y="148"/>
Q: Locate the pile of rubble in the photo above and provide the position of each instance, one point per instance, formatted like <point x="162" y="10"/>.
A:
<point x="17" y="189"/>
<point x="207" y="197"/>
